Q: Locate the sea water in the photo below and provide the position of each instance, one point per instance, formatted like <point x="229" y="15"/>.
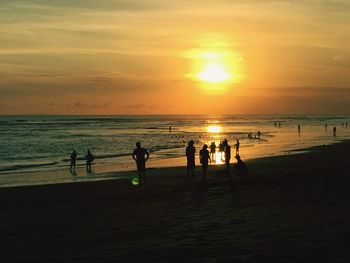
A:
<point x="36" y="144"/>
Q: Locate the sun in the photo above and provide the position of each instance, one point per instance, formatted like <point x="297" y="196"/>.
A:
<point x="214" y="72"/>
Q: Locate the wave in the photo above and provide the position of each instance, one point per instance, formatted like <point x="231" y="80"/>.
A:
<point x="25" y="166"/>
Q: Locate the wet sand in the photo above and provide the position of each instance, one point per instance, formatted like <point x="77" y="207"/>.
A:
<point x="289" y="209"/>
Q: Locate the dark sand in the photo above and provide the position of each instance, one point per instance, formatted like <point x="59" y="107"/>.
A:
<point x="290" y="209"/>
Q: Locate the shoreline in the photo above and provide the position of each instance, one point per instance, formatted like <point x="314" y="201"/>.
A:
<point x="106" y="172"/>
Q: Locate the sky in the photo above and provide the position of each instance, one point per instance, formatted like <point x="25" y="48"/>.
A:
<point x="145" y="57"/>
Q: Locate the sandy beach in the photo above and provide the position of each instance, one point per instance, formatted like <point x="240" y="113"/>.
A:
<point x="292" y="208"/>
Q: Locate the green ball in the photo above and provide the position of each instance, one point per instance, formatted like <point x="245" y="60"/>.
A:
<point x="135" y="181"/>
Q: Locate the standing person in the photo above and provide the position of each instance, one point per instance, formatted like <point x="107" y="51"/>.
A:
<point x="334" y="131"/>
<point x="213" y="151"/>
<point x="237" y="146"/>
<point x="73" y="161"/>
<point x="346" y="124"/>
<point x="227" y="154"/>
<point x="298" y="128"/>
<point x="141" y="155"/>
<point x="89" y="159"/>
<point x="326" y="126"/>
<point x="190" y="155"/>
<point x="204" y="159"/>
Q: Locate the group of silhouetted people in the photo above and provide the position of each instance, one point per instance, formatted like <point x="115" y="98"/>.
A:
<point x="205" y="157"/>
<point x="73" y="161"/>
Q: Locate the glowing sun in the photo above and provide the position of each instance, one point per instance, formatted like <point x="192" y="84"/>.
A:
<point x="214" y="72"/>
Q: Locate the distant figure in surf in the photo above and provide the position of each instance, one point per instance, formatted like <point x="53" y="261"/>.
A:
<point x="213" y="151"/>
<point x="326" y="126"/>
<point x="298" y="128"/>
<point x="73" y="161"/>
<point x="334" y="131"/>
<point x="89" y="159"/>
<point x="141" y="155"/>
<point x="237" y="146"/>
<point x="346" y="124"/>
<point x="190" y="155"/>
<point x="250" y="136"/>
<point x="204" y="158"/>
<point x="258" y="134"/>
<point x="169" y="129"/>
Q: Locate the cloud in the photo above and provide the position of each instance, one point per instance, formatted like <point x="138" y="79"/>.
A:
<point x="95" y="105"/>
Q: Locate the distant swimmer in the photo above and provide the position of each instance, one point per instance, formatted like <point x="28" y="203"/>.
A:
<point x="204" y="159"/>
<point x="240" y="167"/>
<point x="141" y="155"/>
<point x="213" y="151"/>
<point x="298" y="128"/>
<point x="89" y="159"/>
<point x="334" y="131"/>
<point x="190" y="155"/>
<point x="258" y="134"/>
<point x="73" y="161"/>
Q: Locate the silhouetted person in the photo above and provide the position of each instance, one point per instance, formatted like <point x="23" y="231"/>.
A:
<point x="240" y="166"/>
<point x="204" y="159"/>
<point x="298" y="128"/>
<point x="342" y="124"/>
<point x="237" y="146"/>
<point x="169" y="128"/>
<point x="258" y="134"/>
<point x="346" y="124"/>
<point x="73" y="161"/>
<point x="326" y="126"/>
<point x="213" y="151"/>
<point x="89" y="159"/>
<point x="190" y="155"/>
<point x="334" y="131"/>
<point x="140" y="155"/>
<point x="279" y="124"/>
<point x="275" y="124"/>
<point x="227" y="148"/>
<point x="250" y="136"/>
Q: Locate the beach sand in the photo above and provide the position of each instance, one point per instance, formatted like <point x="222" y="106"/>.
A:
<point x="292" y="208"/>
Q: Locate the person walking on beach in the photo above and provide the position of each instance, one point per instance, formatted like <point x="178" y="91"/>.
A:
<point x="204" y="159"/>
<point x="141" y="155"/>
<point x="73" y="161"/>
<point x="190" y="155"/>
<point x="334" y="131"/>
<point x="326" y="126"/>
<point x="298" y="128"/>
<point x="89" y="159"/>
<point x="237" y="146"/>
<point x="213" y="151"/>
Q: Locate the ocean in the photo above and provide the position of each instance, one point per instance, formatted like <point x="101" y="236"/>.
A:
<point x="39" y="145"/>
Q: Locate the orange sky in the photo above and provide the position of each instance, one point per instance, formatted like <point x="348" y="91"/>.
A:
<point x="141" y="57"/>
